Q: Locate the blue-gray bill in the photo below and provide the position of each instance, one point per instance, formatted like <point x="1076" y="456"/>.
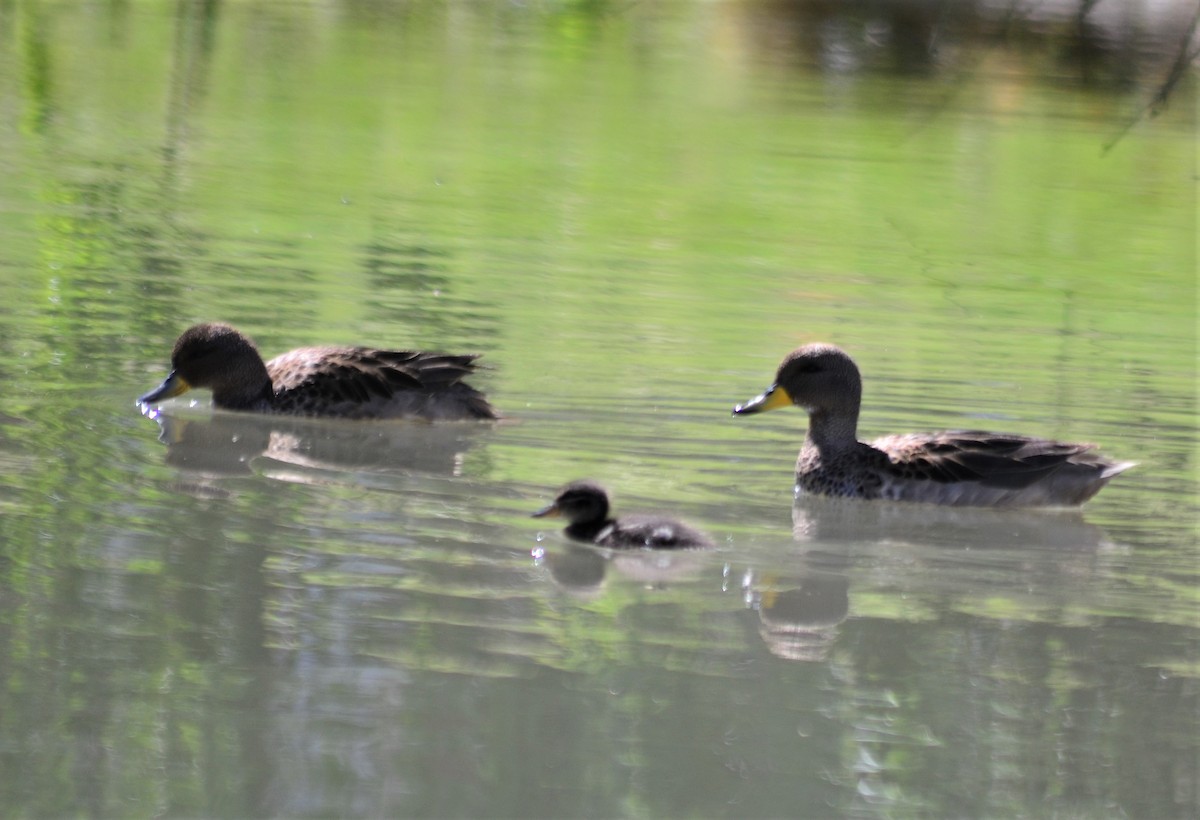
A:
<point x="173" y="385"/>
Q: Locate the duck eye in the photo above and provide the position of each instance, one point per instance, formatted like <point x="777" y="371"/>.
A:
<point x="199" y="352"/>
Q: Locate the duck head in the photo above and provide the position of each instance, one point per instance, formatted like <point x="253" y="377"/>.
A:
<point x="218" y="357"/>
<point x="817" y="377"/>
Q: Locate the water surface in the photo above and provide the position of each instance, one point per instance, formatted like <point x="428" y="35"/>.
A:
<point x="632" y="212"/>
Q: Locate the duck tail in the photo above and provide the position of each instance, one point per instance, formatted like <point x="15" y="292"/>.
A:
<point x="1116" y="469"/>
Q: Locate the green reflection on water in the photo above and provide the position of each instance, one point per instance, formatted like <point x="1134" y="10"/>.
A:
<point x="633" y="212"/>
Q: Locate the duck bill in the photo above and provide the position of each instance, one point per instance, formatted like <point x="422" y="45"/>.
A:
<point x="775" y="396"/>
<point x="172" y="386"/>
<point x="549" y="511"/>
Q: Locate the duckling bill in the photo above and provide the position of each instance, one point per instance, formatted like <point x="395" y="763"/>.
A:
<point x="960" y="468"/>
<point x="585" y="505"/>
<point x="334" y="382"/>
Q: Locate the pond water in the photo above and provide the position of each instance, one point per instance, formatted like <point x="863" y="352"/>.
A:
<point x="632" y="211"/>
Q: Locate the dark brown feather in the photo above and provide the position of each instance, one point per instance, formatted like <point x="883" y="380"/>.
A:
<point x="343" y="382"/>
<point x="961" y="468"/>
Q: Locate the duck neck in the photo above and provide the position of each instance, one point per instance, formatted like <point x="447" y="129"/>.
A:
<point x="588" y="530"/>
<point x="251" y="389"/>
<point x="832" y="430"/>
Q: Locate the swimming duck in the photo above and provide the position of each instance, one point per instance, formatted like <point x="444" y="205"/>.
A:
<point x="962" y="468"/>
<point x="585" y="506"/>
<point x="337" y="382"/>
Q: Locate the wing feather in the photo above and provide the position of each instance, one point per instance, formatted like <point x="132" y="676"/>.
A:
<point x="991" y="459"/>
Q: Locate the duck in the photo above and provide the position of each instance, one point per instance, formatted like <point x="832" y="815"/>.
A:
<point x="585" y="505"/>
<point x="955" y="468"/>
<point x="332" y="382"/>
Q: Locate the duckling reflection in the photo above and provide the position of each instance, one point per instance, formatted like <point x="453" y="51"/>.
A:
<point x="582" y="569"/>
<point x="578" y="570"/>
<point x="585" y="505"/>
<point x="236" y="444"/>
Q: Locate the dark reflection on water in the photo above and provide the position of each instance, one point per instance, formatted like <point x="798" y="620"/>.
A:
<point x="229" y="444"/>
<point x="332" y="642"/>
<point x="1095" y="44"/>
<point x="833" y="520"/>
<point x="413" y="285"/>
<point x="799" y="610"/>
<point x="581" y="570"/>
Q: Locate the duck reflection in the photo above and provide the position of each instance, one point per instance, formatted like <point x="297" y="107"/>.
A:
<point x="578" y="570"/>
<point x="822" y="519"/>
<point x="800" y="602"/>
<point x="927" y="549"/>
<point x="799" y="613"/>
<point x="582" y="569"/>
<point x="297" y="449"/>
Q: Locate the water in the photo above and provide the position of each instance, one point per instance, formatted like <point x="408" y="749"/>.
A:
<point x="632" y="213"/>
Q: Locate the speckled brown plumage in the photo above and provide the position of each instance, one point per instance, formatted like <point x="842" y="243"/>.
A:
<point x="337" y="382"/>
<point x="963" y="468"/>
<point x="585" y="506"/>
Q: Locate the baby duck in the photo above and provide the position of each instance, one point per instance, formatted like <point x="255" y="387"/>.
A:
<point x="585" y="506"/>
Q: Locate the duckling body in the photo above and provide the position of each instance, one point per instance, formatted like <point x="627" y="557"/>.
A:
<point x="585" y="505"/>
<point x="336" y="382"/>
<point x="958" y="468"/>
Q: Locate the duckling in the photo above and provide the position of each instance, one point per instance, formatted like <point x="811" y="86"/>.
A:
<point x="333" y="382"/>
<point x="960" y="468"/>
<point x="585" y="506"/>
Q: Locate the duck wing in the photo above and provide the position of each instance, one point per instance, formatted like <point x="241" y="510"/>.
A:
<point x="653" y="532"/>
<point x="367" y="376"/>
<point x="992" y="459"/>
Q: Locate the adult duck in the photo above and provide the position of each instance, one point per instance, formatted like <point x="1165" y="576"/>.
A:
<point x="962" y="468"/>
<point x="335" y="382"/>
